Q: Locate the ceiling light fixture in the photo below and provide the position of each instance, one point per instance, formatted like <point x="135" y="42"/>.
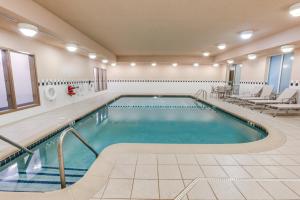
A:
<point x="221" y="46"/>
<point x="196" y="64"/>
<point x="206" y="54"/>
<point x="252" y="56"/>
<point x="132" y="64"/>
<point x="246" y="35"/>
<point x="295" y="10"/>
<point x="292" y="58"/>
<point x="92" y="56"/>
<point x="216" y="65"/>
<point x="230" y="61"/>
<point x="71" y="47"/>
<point x="113" y="64"/>
<point x="287" y="48"/>
<point x="153" y="64"/>
<point x="104" y="61"/>
<point x="28" y="29"/>
<point x="174" y="64"/>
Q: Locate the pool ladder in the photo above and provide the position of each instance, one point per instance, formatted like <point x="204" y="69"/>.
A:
<point x="61" y="154"/>
<point x="5" y="139"/>
<point x="201" y="93"/>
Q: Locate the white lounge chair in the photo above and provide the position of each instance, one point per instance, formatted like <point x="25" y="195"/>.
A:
<point x="254" y="93"/>
<point x="265" y="94"/>
<point x="282" y="107"/>
<point x="287" y="96"/>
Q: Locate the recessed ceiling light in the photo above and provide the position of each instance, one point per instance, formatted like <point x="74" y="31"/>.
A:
<point x="28" y="29"/>
<point x="92" y="56"/>
<point x="153" y="64"/>
<point x="196" y="64"/>
<point x="113" y="64"/>
<point x="174" y="64"/>
<point x="230" y="61"/>
<point x="295" y="10"/>
<point x="132" y="64"/>
<point x="71" y="47"/>
<point x="216" y="65"/>
<point x="287" y="48"/>
<point x="206" y="54"/>
<point x="246" y="35"/>
<point x="292" y="58"/>
<point x="104" y="61"/>
<point x="221" y="46"/>
<point x="252" y="56"/>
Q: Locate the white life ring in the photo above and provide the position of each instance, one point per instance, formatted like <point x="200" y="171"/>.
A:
<point x="50" y="92"/>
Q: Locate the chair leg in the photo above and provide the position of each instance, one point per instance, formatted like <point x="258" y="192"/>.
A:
<point x="263" y="108"/>
<point x="275" y="113"/>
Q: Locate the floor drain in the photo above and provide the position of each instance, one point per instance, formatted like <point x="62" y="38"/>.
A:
<point x="196" y="180"/>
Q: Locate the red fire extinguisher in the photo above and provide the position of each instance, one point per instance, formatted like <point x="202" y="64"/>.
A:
<point x="71" y="90"/>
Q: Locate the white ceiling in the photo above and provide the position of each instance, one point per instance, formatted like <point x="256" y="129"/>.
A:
<point x="172" y="27"/>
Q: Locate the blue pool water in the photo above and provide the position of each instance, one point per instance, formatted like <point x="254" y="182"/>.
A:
<point x="169" y="120"/>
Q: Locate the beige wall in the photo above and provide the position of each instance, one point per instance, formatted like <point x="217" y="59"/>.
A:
<point x="51" y="62"/>
<point x="166" y="72"/>
<point x="254" y="70"/>
<point x="296" y="65"/>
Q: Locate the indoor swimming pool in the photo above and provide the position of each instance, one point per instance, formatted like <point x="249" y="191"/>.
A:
<point x="130" y="119"/>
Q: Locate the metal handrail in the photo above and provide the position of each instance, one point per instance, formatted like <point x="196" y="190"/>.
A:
<point x="61" y="155"/>
<point x="5" y="139"/>
<point x="201" y="92"/>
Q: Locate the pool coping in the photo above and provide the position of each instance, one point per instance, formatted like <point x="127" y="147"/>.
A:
<point x="98" y="173"/>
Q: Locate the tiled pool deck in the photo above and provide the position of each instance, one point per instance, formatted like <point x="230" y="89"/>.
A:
<point x="145" y="171"/>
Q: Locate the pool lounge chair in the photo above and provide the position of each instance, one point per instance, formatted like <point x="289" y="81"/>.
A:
<point x="254" y="93"/>
<point x="265" y="94"/>
<point x="286" y="97"/>
<point x="276" y="108"/>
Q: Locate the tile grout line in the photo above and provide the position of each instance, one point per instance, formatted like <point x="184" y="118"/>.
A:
<point x="157" y="175"/>
<point x="238" y="189"/>
<point x="178" y="166"/>
<point x="199" y="165"/>
<point x="134" y="173"/>
<point x="283" y="182"/>
<point x="213" y="191"/>
<point x="258" y="182"/>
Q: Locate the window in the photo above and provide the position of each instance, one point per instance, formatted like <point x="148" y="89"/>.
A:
<point x="18" y="81"/>
<point x="100" y="78"/>
<point x="280" y="69"/>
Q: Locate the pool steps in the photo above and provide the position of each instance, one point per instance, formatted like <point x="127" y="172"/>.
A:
<point x="47" y="175"/>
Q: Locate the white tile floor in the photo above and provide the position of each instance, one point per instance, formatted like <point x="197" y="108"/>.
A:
<point x="164" y="176"/>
